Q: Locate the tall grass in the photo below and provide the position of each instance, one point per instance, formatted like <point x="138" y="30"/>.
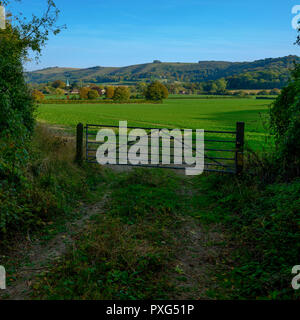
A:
<point x="47" y="184"/>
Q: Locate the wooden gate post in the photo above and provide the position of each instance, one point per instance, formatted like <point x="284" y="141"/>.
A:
<point x="79" y="143"/>
<point x="239" y="154"/>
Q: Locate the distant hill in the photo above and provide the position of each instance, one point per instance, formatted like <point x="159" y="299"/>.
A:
<point x="260" y="74"/>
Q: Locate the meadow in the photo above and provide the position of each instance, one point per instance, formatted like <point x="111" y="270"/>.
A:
<point x="208" y="114"/>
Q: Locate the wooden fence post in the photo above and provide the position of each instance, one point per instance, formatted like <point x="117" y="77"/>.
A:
<point x="240" y="139"/>
<point x="79" y="143"/>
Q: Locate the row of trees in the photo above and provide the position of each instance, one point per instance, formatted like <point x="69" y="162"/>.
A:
<point x="218" y="87"/>
<point x="155" y="91"/>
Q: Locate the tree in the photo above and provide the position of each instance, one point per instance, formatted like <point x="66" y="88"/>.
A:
<point x="109" y="92"/>
<point x="74" y="85"/>
<point x="93" y="94"/>
<point x="16" y="41"/>
<point x="121" y="94"/>
<point x="156" y="91"/>
<point x="58" y="84"/>
<point x="59" y="92"/>
<point x="285" y="124"/>
<point x="84" y="93"/>
<point x="47" y="90"/>
<point x="141" y="86"/>
<point x="221" y="86"/>
<point x="98" y="89"/>
<point x="17" y="106"/>
<point x="38" y="95"/>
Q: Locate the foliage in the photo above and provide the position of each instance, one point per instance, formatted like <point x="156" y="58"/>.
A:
<point x="98" y="89"/>
<point x="33" y="34"/>
<point x="263" y="224"/>
<point x="45" y="186"/>
<point x="58" y="84"/>
<point x="37" y="95"/>
<point x="285" y="124"/>
<point x="59" y="91"/>
<point x="93" y="94"/>
<point x="16" y="103"/>
<point x="47" y="90"/>
<point x="156" y="91"/>
<point x="121" y="94"/>
<point x="17" y="112"/>
<point x="84" y="93"/>
<point x="109" y="92"/>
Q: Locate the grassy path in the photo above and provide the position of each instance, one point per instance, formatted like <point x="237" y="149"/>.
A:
<point x="38" y="256"/>
<point x="139" y="249"/>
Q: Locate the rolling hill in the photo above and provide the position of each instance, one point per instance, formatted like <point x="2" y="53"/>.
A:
<point x="265" y="73"/>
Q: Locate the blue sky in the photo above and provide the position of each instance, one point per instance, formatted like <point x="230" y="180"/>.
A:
<point x="125" y="32"/>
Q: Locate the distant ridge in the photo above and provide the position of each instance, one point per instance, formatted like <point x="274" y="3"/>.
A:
<point x="270" y="69"/>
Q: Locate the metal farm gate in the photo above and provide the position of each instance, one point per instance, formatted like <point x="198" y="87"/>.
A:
<point x="223" y="150"/>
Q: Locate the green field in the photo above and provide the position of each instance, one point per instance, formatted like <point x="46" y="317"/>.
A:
<point x="210" y="114"/>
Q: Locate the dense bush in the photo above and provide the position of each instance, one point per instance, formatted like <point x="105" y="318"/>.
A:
<point x="38" y="95"/>
<point x="156" y="91"/>
<point x="17" y="115"/>
<point x="84" y="93"/>
<point x="121" y="94"/>
<point x="16" y="102"/>
<point x="93" y="94"/>
<point x="285" y="124"/>
<point x="109" y="92"/>
<point x="42" y="187"/>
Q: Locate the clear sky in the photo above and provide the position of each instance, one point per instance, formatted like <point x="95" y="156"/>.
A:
<point x="125" y="32"/>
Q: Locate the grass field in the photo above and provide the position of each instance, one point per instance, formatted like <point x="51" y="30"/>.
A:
<point x="210" y="114"/>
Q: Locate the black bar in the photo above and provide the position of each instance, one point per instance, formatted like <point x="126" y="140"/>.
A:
<point x="79" y="143"/>
<point x="161" y="167"/>
<point x="240" y="139"/>
<point x="110" y="126"/>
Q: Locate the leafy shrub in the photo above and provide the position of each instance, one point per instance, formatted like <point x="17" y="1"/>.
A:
<point x="84" y="93"/>
<point x="44" y="185"/>
<point x="16" y="102"/>
<point x="121" y="94"/>
<point x="38" y="95"/>
<point x="285" y="124"/>
<point x="156" y="91"/>
<point x="59" y="92"/>
<point x="93" y="94"/>
<point x="109" y="92"/>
